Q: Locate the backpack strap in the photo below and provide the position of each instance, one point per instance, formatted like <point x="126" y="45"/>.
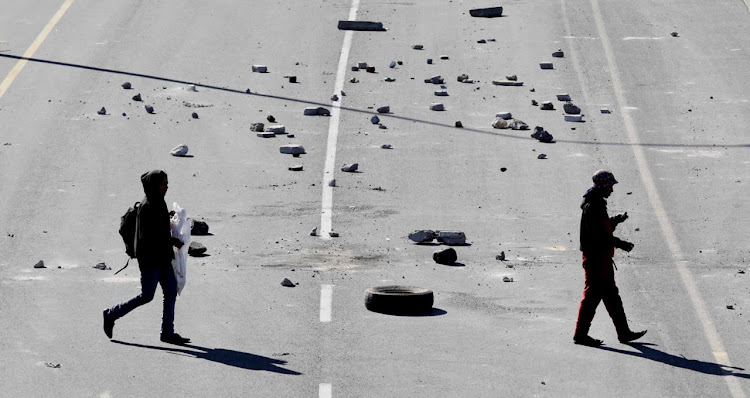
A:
<point x="126" y="266"/>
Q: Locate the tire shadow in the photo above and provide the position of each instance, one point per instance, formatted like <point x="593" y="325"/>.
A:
<point x="237" y="359"/>
<point x="647" y="351"/>
<point x="433" y="312"/>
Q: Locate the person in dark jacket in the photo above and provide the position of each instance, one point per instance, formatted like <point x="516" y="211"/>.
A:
<point x="153" y="249"/>
<point x="598" y="248"/>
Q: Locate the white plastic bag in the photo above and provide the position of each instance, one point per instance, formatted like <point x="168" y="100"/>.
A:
<point x="180" y="224"/>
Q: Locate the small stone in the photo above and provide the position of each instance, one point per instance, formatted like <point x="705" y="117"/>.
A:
<point x="40" y="264"/>
<point x="504" y="115"/>
<point x="507" y="279"/>
<point x="462" y="78"/>
<point x="287" y="283"/>
<point x="248" y="91"/>
<point x="558" y="54"/>
<point x="382" y="127"/>
<point x="542" y="135"/>
<point x="571" y="109"/>
<point x="423" y="235"/>
<point x="271" y="119"/>
<point x="292" y="79"/>
<point x="314" y="232"/>
<point x="500" y="123"/>
<point x="334" y="97"/>
<point x="194" y="115"/>
<point x="675" y="34"/>
<point x="563" y="97"/>
<point x="370" y="69"/>
<point x="436" y="106"/>
<point x="198" y="227"/>
<point x="459" y="124"/>
<point x="102" y="266"/>
<point x="446" y="257"/>
<point x="355" y="68"/>
<point x="350" y="168"/>
<point x="444" y="57"/>
<point x="102" y="111"/>
<point x="298" y="167"/>
<point x="333" y="234"/>
<point x="730" y="307"/>
<point x="503" y="169"/>
<point x="386" y="146"/>
<point x="429" y="61"/>
<point x="541" y="156"/>
<point x="196" y="249"/>
<point x="179" y="150"/>
<point x="149" y="109"/>
<point x="292" y="149"/>
<point x="375" y="119"/>
<point x="384" y="109"/>
<point x="53" y="365"/>
<point x="257" y="127"/>
<point x="260" y="68"/>
<point x="512" y="78"/>
<point x="546" y="65"/>
<point x="276" y="129"/>
<point x="547" y="106"/>
<point x="417" y="46"/>
<point x="332" y="183"/>
<point x="137" y="97"/>
<point x="192" y="88"/>
<point x="604" y="110"/>
<point x="500" y="257"/>
<point x="353" y="80"/>
<point x="389" y="79"/>
<point x="481" y="41"/>
<point x="127" y="86"/>
<point x="534" y="103"/>
<point x="393" y="64"/>
<point x="124" y="114"/>
<point x="441" y="93"/>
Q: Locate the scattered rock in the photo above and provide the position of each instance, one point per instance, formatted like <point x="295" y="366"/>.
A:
<point x="386" y="146"/>
<point x="194" y="115"/>
<point x="292" y="149"/>
<point x="446" y="257"/>
<point x="314" y="232"/>
<point x="127" y="86"/>
<point x="137" y="97"/>
<point x="292" y="79"/>
<point x="298" y="167"/>
<point x="375" y="119"/>
<point x="423" y="236"/>
<point x="102" y="266"/>
<point x="332" y="183"/>
<point x="353" y="80"/>
<point x="382" y="127"/>
<point x="512" y="78"/>
<point x="198" y="227"/>
<point x="542" y="135"/>
<point x="500" y="123"/>
<point x="730" y="306"/>
<point x="361" y="26"/>
<point x="429" y="61"/>
<point x="436" y="106"/>
<point x="196" y="249"/>
<point x="558" y="54"/>
<point x="517" y="124"/>
<point x="370" y="69"/>
<point x="102" y="111"/>
<point x="462" y="78"/>
<point x="260" y="68"/>
<point x="389" y="79"/>
<point x="362" y="65"/>
<point x="40" y="264"/>
<point x="53" y="365"/>
<point x="500" y="257"/>
<point x="571" y="109"/>
<point x="333" y="234"/>
<point x="319" y="111"/>
<point x="193" y="88"/>
<point x="563" y="97"/>
<point x="604" y="110"/>
<point x="257" y="127"/>
<point x="534" y="103"/>
<point x="675" y="34"/>
<point x="149" y="109"/>
<point x="271" y="119"/>
<point x="417" y="46"/>
<point x="334" y="97"/>
<point x="504" y="115"/>
<point x="441" y="93"/>
<point x="435" y="80"/>
<point x="287" y="283"/>
<point x="507" y="279"/>
<point x="350" y="168"/>
<point x="276" y="129"/>
<point x="546" y="65"/>
<point x="444" y="57"/>
<point x="490" y="12"/>
<point x="573" y="118"/>
<point x="459" y="124"/>
<point x="393" y="64"/>
<point x="507" y="83"/>
<point x="481" y="41"/>
<point x="547" y="106"/>
<point x="541" y="156"/>
<point x="179" y="150"/>
<point x="384" y="109"/>
<point x="451" y="238"/>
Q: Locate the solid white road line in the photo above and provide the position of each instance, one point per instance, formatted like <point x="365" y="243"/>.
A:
<point x="325" y="390"/>
<point x="33" y="47"/>
<point x="326" y="303"/>
<point x="326" y="216"/>
<point x="691" y="287"/>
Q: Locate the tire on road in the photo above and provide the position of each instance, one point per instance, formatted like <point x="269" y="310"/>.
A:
<point x="399" y="299"/>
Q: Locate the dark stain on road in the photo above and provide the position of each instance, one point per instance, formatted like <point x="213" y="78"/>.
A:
<point x="237" y="359"/>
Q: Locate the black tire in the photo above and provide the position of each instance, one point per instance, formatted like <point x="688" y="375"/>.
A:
<point x="399" y="299"/>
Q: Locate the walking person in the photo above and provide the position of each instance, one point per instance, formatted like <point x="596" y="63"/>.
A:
<point x="153" y="249"/>
<point x="598" y="247"/>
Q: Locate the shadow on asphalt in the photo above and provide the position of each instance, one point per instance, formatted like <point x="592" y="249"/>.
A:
<point x="238" y="359"/>
<point x="368" y="112"/>
<point x="433" y="312"/>
<point x="647" y="351"/>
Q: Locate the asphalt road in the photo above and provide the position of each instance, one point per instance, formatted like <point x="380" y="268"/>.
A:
<point x="675" y="139"/>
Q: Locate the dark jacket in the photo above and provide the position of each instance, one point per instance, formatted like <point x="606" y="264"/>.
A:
<point x="597" y="241"/>
<point x="153" y="242"/>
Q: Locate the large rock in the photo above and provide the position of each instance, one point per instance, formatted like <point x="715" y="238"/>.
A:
<point x="198" y="227"/>
<point x="445" y="257"/>
<point x="571" y="109"/>
<point x="292" y="149"/>
<point x="489" y="12"/>
<point x="542" y="135"/>
<point x="423" y="235"/>
<point x="196" y="249"/>
<point x="451" y="237"/>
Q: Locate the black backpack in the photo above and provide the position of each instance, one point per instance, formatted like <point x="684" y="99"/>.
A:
<point x="127" y="231"/>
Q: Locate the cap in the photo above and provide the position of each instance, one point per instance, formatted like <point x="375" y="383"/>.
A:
<point x="603" y="179"/>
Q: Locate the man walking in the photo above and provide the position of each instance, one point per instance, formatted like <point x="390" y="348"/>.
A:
<point x="153" y="249"/>
<point x="598" y="247"/>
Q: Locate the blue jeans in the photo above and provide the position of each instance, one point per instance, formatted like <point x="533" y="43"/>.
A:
<point x="150" y="277"/>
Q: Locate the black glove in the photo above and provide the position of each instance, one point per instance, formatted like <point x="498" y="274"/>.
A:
<point x="624" y="245"/>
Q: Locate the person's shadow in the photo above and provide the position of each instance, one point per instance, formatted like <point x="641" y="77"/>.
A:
<point x="234" y="358"/>
<point x="647" y="351"/>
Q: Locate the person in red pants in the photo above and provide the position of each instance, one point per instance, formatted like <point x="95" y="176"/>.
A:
<point x="598" y="247"/>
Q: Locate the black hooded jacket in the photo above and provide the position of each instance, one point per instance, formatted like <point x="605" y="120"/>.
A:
<point x="597" y="241"/>
<point x="153" y="242"/>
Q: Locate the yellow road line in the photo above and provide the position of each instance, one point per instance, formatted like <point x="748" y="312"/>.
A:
<point x="688" y="281"/>
<point x="33" y="47"/>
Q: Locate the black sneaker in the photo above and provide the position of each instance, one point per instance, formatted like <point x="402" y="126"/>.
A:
<point x="631" y="336"/>
<point x="587" y="341"/>
<point x="175" y="338"/>
<point x="109" y="323"/>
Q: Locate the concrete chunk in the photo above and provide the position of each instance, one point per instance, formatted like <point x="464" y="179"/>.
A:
<point x="441" y="93"/>
<point x="436" y="106"/>
<point x="384" y="109"/>
<point x="547" y="106"/>
<point x="292" y="149"/>
<point x="417" y="46"/>
<point x="257" y="127"/>
<point x="319" y="111"/>
<point x="507" y="83"/>
<point x="350" y="168"/>
<point x="264" y="134"/>
<point x="563" y="97"/>
<point x="500" y="123"/>
<point x="361" y="26"/>
<point x="573" y="118"/>
<point x="504" y="115"/>
<point x="179" y="150"/>
<point x="276" y="128"/>
<point x="298" y="167"/>
<point x="451" y="237"/>
<point x="542" y="135"/>
<point x="490" y="12"/>
<point x="546" y="65"/>
<point x="423" y="235"/>
<point x="558" y="54"/>
<point x="375" y="119"/>
<point x="260" y="68"/>
<point x="571" y="109"/>
<point x="127" y="86"/>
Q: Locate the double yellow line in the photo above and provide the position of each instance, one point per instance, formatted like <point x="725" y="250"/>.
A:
<point x="33" y="47"/>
